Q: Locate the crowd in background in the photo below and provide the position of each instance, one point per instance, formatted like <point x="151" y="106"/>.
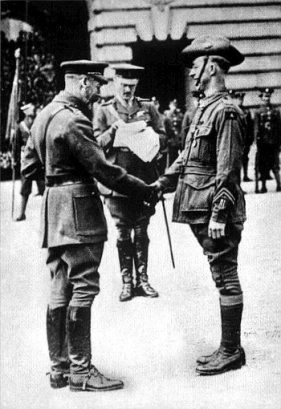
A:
<point x="38" y="85"/>
<point x="37" y="80"/>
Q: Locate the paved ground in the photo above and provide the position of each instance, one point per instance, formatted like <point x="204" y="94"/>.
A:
<point x="150" y="344"/>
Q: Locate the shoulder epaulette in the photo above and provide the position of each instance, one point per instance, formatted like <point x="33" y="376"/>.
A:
<point x="109" y="102"/>
<point x="139" y="99"/>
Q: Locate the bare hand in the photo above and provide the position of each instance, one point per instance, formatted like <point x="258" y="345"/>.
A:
<point x="158" y="189"/>
<point x="117" y="124"/>
<point x="216" y="230"/>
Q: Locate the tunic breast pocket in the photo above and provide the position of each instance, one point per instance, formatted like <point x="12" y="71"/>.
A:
<point x="197" y="193"/>
<point x="203" y="146"/>
<point x="88" y="215"/>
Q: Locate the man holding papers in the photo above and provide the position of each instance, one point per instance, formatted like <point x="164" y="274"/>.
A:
<point x="129" y="129"/>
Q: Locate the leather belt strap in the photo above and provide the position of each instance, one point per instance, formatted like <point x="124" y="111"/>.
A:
<point x="65" y="181"/>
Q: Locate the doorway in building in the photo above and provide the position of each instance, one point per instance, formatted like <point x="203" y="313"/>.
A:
<point x="164" y="75"/>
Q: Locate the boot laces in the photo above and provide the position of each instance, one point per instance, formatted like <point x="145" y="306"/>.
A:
<point x="147" y="286"/>
<point x="93" y="372"/>
<point x="127" y="287"/>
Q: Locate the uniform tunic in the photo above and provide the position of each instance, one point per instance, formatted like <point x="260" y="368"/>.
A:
<point x="110" y="112"/>
<point x="206" y="176"/>
<point x="206" y="173"/>
<point x="267" y="130"/>
<point x="127" y="212"/>
<point x="62" y="141"/>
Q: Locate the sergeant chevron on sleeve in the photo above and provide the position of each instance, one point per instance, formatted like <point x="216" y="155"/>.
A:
<point x="206" y="177"/>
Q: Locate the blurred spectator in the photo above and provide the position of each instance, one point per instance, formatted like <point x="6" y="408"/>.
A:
<point x="22" y="134"/>
<point x="172" y="123"/>
<point x="37" y="76"/>
<point x="267" y="132"/>
<point x="238" y="98"/>
<point x="162" y="157"/>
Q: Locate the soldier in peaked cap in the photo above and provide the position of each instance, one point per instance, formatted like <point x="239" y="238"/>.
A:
<point x="73" y="223"/>
<point x="208" y="196"/>
<point x="267" y="130"/>
<point x="238" y="98"/>
<point x="21" y="137"/>
<point x="131" y="218"/>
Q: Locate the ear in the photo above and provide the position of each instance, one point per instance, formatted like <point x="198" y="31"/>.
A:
<point x="84" y="80"/>
<point x="212" y="68"/>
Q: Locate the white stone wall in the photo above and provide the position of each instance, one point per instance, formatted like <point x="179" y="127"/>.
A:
<point x="254" y="26"/>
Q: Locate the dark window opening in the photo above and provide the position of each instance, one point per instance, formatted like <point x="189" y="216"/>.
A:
<point x="164" y="75"/>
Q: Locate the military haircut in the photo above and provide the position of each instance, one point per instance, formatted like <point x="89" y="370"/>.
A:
<point x="222" y="62"/>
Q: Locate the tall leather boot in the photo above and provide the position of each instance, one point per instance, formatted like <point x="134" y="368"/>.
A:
<point x="143" y="288"/>
<point x="57" y="343"/>
<point x="277" y="178"/>
<point x="245" y="170"/>
<point x="125" y="253"/>
<point x="23" y="204"/>
<point x="83" y="375"/>
<point x="230" y="354"/>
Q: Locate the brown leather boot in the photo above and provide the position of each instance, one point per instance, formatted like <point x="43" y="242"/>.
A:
<point x="142" y="288"/>
<point x="93" y="381"/>
<point x="57" y="343"/>
<point x="205" y="359"/>
<point x="125" y="253"/>
<point x="83" y="375"/>
<point x="230" y="354"/>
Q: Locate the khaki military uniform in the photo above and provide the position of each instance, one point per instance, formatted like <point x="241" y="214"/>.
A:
<point x="206" y="179"/>
<point x="72" y="218"/>
<point x="129" y="214"/>
<point x="267" y="130"/>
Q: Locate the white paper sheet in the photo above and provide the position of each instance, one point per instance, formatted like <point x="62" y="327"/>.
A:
<point x="141" y="139"/>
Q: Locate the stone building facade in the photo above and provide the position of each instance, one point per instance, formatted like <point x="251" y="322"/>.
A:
<point x="152" y="33"/>
<point x="122" y="30"/>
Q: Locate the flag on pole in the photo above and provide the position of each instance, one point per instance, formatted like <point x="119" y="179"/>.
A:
<point x="13" y="111"/>
<point x="12" y="120"/>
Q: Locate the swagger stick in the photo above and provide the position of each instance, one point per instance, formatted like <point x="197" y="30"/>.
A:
<point x="166" y="220"/>
<point x="168" y="231"/>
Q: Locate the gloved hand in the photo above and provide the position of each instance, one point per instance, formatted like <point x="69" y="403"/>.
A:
<point x="150" y="201"/>
<point x="158" y="188"/>
<point x="151" y="198"/>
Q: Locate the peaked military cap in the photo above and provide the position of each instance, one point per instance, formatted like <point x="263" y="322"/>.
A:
<point x="127" y="70"/>
<point x="28" y="109"/>
<point x="211" y="46"/>
<point x="85" y="67"/>
<point x="236" y="94"/>
<point x="198" y="94"/>
<point x="266" y="91"/>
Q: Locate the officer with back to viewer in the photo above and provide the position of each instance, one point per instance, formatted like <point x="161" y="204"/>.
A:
<point x="73" y="223"/>
<point x="267" y="132"/>
<point x="206" y="176"/>
<point x="130" y="216"/>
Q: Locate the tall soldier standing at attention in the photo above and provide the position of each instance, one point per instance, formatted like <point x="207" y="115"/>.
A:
<point x="73" y="223"/>
<point x="129" y="215"/>
<point x="267" y="130"/>
<point x="208" y="197"/>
